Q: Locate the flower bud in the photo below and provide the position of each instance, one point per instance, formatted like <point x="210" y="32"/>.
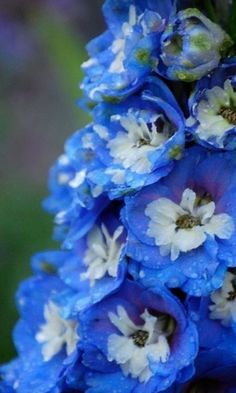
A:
<point x="191" y="46"/>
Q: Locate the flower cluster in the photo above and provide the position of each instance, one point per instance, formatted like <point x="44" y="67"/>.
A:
<point x="141" y="296"/>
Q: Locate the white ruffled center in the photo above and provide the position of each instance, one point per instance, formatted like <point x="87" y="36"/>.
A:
<point x="56" y="333"/>
<point x="130" y="148"/>
<point x="215" y="114"/>
<point x="184" y="227"/>
<point x="224" y="301"/>
<point x="103" y="253"/>
<point x="138" y="345"/>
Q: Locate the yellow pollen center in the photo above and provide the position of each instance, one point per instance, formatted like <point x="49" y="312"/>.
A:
<point x="187" y="222"/>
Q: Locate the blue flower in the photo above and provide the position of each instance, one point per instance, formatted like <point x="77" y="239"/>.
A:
<point x="43" y="339"/>
<point x="141" y="297"/>
<point x="137" y="340"/>
<point x="223" y="302"/>
<point x="127" y="52"/>
<point x="216" y="337"/>
<point x="138" y="140"/>
<point x="191" y="46"/>
<point x="216" y="360"/>
<point x="182" y="230"/>
<point x="73" y="200"/>
<point x="96" y="266"/>
<point x="212" y="108"/>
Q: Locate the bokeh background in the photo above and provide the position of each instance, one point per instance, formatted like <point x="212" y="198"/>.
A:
<point x="41" y="48"/>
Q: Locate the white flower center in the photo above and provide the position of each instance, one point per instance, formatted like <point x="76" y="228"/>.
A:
<point x="56" y="333"/>
<point x="217" y="113"/>
<point x="130" y="148"/>
<point x="138" y="344"/>
<point x="103" y="253"/>
<point x="224" y="301"/>
<point x="184" y="227"/>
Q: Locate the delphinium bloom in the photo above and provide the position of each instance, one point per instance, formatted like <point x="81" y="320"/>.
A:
<point x="223" y="301"/>
<point x="146" y="37"/>
<point x="137" y="141"/>
<point x="43" y="338"/>
<point x="73" y="201"/>
<point x="127" y="52"/>
<point x="181" y="230"/>
<point x="142" y="341"/>
<point x="141" y="296"/>
<point x="215" y="321"/>
<point x="97" y="265"/>
<point x="214" y="314"/>
<point x="191" y="46"/>
<point x="213" y="108"/>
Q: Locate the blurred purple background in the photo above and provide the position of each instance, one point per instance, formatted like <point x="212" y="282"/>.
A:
<point x="41" y="49"/>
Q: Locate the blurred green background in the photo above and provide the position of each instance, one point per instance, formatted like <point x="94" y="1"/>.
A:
<point x="41" y="49"/>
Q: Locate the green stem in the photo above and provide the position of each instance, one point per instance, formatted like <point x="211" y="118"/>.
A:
<point x="211" y="11"/>
<point x="232" y="21"/>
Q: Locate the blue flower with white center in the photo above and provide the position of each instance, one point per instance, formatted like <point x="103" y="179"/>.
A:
<point x="216" y="361"/>
<point x="185" y="226"/>
<point x="223" y="307"/>
<point x="43" y="338"/>
<point x="73" y="200"/>
<point x="212" y="108"/>
<point x="191" y="46"/>
<point x="56" y="333"/>
<point x="138" y="140"/>
<point x="97" y="265"/>
<point x="143" y="339"/>
<point x="182" y="230"/>
<point x="216" y="340"/>
<point x="127" y="52"/>
<point x="102" y="254"/>
<point x="142" y="296"/>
